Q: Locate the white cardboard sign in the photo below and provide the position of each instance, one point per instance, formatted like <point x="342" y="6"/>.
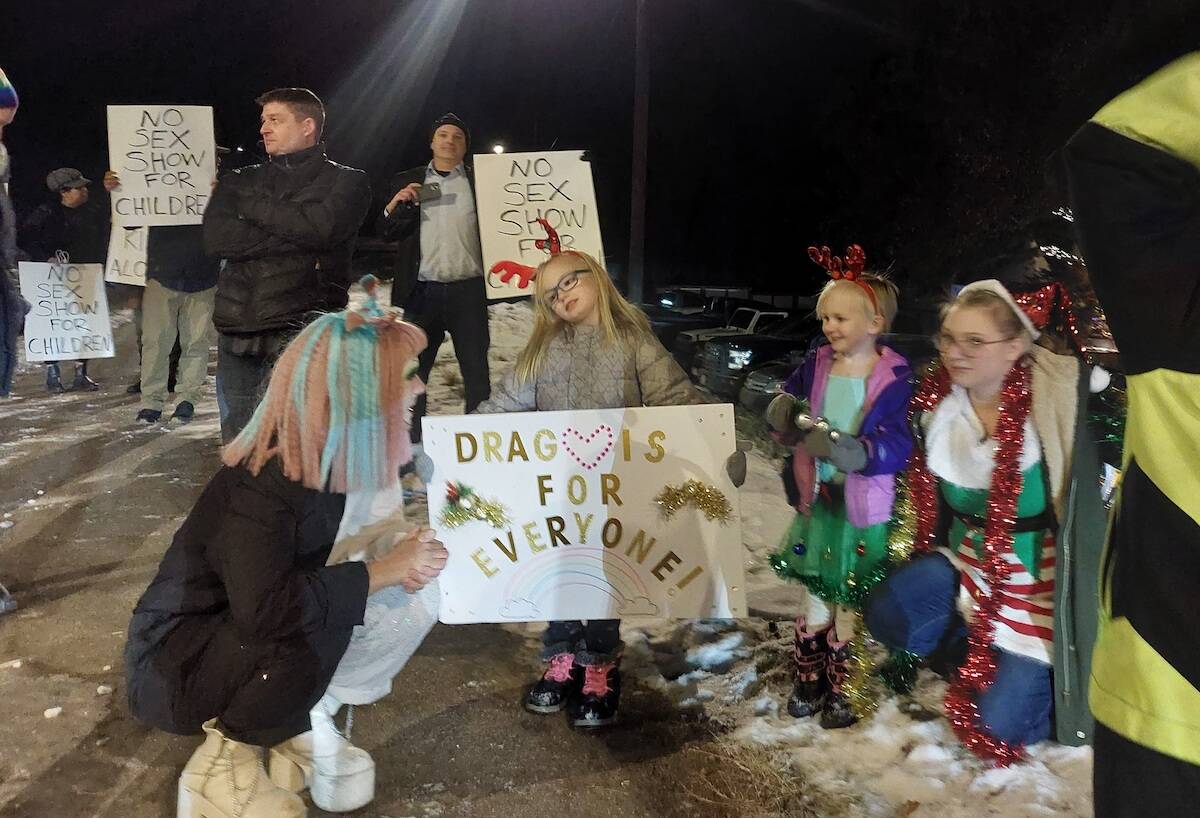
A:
<point x="69" y="319"/>
<point x="166" y="158"/>
<point x="514" y="190"/>
<point x="127" y="255"/>
<point x="584" y="538"/>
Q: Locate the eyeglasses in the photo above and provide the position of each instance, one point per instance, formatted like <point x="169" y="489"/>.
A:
<point x="564" y="285"/>
<point x="970" y="347"/>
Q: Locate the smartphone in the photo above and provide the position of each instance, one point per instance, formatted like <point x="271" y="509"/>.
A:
<point x="429" y="191"/>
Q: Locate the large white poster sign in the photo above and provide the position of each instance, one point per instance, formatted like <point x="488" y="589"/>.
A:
<point x="69" y="319"/>
<point x="553" y="515"/>
<point x="127" y="255"/>
<point x="166" y="158"/>
<point x="513" y="191"/>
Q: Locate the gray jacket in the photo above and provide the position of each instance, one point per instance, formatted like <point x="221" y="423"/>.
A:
<point x="583" y="372"/>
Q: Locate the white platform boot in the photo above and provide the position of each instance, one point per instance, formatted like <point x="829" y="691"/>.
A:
<point x="339" y="776"/>
<point x="225" y="779"/>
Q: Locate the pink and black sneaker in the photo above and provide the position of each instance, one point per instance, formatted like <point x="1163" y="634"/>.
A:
<point x="559" y="682"/>
<point x="600" y="696"/>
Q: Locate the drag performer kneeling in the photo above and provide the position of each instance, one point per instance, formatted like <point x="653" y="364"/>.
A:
<point x="243" y="628"/>
<point x="1010" y="525"/>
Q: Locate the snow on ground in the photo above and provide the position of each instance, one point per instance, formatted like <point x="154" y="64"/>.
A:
<point x="903" y="761"/>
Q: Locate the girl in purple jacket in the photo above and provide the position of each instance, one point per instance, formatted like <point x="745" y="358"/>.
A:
<point x="845" y="412"/>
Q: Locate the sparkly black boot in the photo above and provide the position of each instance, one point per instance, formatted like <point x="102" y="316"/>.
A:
<point x="838" y="712"/>
<point x="810" y="656"/>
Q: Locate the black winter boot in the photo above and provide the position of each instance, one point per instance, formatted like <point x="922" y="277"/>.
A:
<point x="82" y="382"/>
<point x="838" y="712"/>
<point x="559" y="682"/>
<point x="600" y="697"/>
<point x="810" y="658"/>
<point x="54" y="379"/>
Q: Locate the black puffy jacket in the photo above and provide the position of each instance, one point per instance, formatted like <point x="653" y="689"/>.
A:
<point x="285" y="233"/>
<point x="252" y="549"/>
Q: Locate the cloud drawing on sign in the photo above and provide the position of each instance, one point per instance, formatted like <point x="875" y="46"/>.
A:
<point x="641" y="606"/>
<point x="519" y="609"/>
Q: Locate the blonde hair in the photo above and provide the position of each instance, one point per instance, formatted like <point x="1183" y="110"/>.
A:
<point x="1000" y="310"/>
<point x="887" y="296"/>
<point x="619" y="320"/>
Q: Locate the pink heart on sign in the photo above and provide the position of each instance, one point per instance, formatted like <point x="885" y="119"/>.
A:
<point x="588" y="451"/>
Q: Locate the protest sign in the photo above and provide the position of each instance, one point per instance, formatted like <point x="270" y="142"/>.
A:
<point x="613" y="513"/>
<point x="166" y="158"/>
<point x="69" y="319"/>
<point x="513" y="191"/>
<point x="127" y="255"/>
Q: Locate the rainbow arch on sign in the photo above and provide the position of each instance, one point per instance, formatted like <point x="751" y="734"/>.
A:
<point x="602" y="570"/>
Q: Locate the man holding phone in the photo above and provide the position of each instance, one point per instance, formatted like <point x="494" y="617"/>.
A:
<point x="439" y="267"/>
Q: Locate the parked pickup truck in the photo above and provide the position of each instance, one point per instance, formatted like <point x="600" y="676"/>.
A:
<point x="746" y="320"/>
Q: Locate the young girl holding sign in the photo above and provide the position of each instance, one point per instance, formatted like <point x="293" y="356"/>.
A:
<point x="845" y="411"/>
<point x="589" y="349"/>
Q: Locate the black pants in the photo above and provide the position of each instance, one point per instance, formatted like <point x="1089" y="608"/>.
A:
<point x="204" y="668"/>
<point x="460" y="309"/>
<point x="594" y="643"/>
<point x="1132" y="781"/>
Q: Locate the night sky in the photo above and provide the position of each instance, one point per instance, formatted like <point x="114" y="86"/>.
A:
<point x="758" y="108"/>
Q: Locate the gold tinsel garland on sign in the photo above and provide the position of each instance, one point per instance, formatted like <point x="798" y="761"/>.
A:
<point x="709" y="499"/>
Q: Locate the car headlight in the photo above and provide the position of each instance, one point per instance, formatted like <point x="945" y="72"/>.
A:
<point x="739" y="358"/>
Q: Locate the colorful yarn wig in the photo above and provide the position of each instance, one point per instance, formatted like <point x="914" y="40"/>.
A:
<point x="336" y="412"/>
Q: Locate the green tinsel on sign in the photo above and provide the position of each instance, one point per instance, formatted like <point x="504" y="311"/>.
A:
<point x="463" y="506"/>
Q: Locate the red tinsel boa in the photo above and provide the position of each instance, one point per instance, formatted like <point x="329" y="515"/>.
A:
<point x="979" y="670"/>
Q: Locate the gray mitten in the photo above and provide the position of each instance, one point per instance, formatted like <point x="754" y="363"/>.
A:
<point x="818" y="441"/>
<point x="423" y="466"/>
<point x="735" y="464"/>
<point x="848" y="453"/>
<point x="781" y="412"/>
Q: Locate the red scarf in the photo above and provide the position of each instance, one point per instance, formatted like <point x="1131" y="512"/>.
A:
<point x="977" y="673"/>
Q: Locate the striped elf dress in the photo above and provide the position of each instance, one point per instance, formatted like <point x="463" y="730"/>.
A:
<point x="959" y="453"/>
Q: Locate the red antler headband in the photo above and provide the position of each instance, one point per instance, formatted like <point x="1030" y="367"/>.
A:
<point x="849" y="268"/>
<point x="507" y="270"/>
<point x="550" y="244"/>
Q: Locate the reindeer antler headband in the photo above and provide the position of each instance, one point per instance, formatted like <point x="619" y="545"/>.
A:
<point x="849" y="268"/>
<point x="507" y="270"/>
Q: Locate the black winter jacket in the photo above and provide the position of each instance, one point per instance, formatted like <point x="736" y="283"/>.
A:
<point x="82" y="232"/>
<point x="404" y="224"/>
<point x="175" y="258"/>
<point x="285" y="232"/>
<point x="253" y="549"/>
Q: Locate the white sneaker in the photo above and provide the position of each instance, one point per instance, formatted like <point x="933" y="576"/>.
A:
<point x="339" y="776"/>
<point x="226" y="779"/>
